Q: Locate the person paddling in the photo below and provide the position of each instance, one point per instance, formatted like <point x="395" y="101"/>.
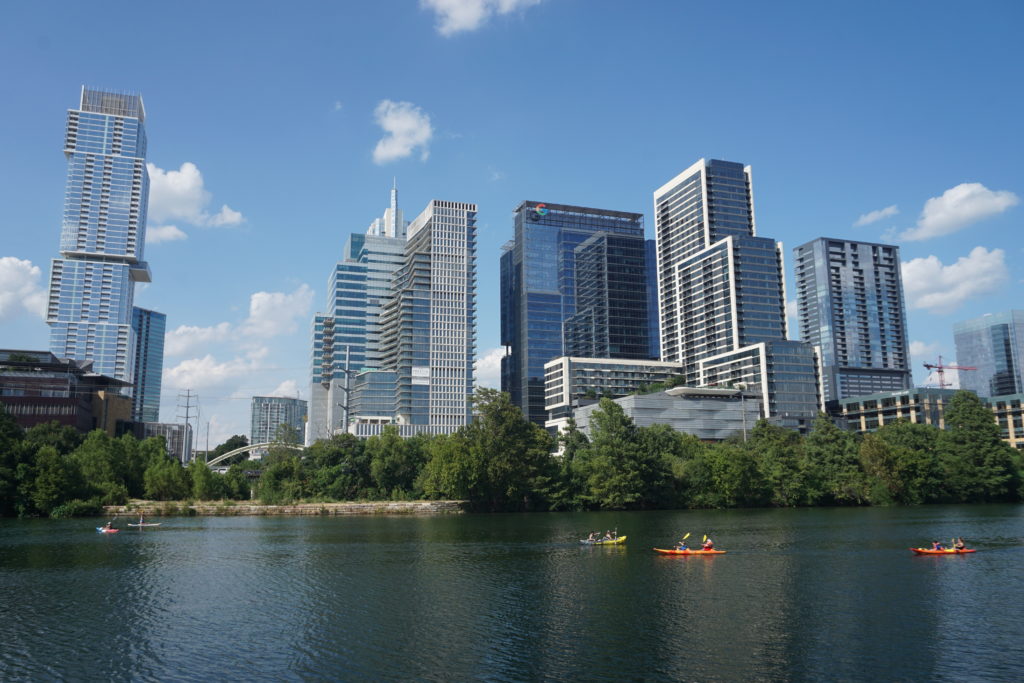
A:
<point x="959" y="544"/>
<point x="937" y="546"/>
<point x="708" y="544"/>
<point x="682" y="546"/>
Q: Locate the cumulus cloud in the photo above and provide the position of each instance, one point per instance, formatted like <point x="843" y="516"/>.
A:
<point x="275" y="313"/>
<point x="455" y="16"/>
<point x="20" y="289"/>
<point x="187" y="338"/>
<point x="407" y="128"/>
<point x="872" y="216"/>
<point x="923" y="350"/>
<point x="488" y="368"/>
<point x="164" y="233"/>
<point x="957" y="208"/>
<point x="929" y="284"/>
<point x="286" y="389"/>
<point x="181" y="195"/>
<point x="207" y="372"/>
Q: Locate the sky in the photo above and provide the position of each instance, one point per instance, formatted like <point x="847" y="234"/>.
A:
<point x="276" y="130"/>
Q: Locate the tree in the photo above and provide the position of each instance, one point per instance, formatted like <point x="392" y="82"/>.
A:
<point x="725" y="475"/>
<point x="206" y="485"/>
<point x="165" y="479"/>
<point x="777" y="451"/>
<point x="63" y="438"/>
<point x="395" y="463"/>
<point x="977" y="464"/>
<point x="831" y="465"/>
<point x="102" y="468"/>
<point x="904" y="467"/>
<point x="12" y="454"/>
<point x="56" y="480"/>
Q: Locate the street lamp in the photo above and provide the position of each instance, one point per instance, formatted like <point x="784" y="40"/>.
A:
<point x="742" y="386"/>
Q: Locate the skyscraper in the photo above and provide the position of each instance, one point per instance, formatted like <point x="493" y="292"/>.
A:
<point x="428" y="325"/>
<point x="850" y="301"/>
<point x="539" y="292"/>
<point x="92" y="284"/>
<point x="994" y="344"/>
<point x="149" y="327"/>
<point x="722" y="294"/>
<point x="270" y="412"/>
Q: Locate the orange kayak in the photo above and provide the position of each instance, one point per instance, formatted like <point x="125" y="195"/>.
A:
<point x="948" y="551"/>
<point x="673" y="551"/>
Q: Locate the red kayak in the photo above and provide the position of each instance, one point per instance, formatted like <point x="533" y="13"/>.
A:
<point x="104" y="530"/>
<point x="948" y="551"/>
<point x="673" y="551"/>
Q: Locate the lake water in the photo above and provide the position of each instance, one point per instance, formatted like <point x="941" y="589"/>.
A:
<point x="823" y="594"/>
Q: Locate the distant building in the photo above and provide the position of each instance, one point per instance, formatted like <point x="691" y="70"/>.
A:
<point x="994" y="344"/>
<point x="851" y="306"/>
<point x="150" y="328"/>
<point x="707" y="413"/>
<point x="653" y="325"/>
<point x="541" y="293"/>
<point x="568" y="381"/>
<point x="36" y="387"/>
<point x="270" y="412"/>
<point x="177" y="437"/>
<point x="722" y="295"/>
<point x="92" y="284"/>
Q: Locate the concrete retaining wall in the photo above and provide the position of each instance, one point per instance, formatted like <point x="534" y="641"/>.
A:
<point x="229" y="509"/>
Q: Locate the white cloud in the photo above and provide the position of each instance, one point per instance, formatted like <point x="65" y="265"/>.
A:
<point x="181" y="195"/>
<point x="923" y="350"/>
<point x="275" y="313"/>
<point x="488" y="368"/>
<point x="878" y="215"/>
<point x="206" y="372"/>
<point x="288" y="389"/>
<point x="406" y="128"/>
<point x="338" y="105"/>
<point x="957" y="208"/>
<point x="185" y="338"/>
<point x="20" y="289"/>
<point x="454" y="16"/>
<point x="164" y="233"/>
<point x="931" y="285"/>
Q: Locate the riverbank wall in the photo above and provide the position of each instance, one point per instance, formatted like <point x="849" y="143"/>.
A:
<point x="237" y="509"/>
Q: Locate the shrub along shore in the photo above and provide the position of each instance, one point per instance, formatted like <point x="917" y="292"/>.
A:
<point x="502" y="462"/>
<point x="230" y="508"/>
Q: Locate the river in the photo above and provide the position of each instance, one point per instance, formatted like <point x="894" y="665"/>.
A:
<point x="816" y="594"/>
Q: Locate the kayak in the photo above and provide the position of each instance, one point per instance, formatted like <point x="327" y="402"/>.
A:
<point x="616" y="541"/>
<point x="105" y="530"/>
<point x="948" y="551"/>
<point x="146" y="524"/>
<point x="673" y="551"/>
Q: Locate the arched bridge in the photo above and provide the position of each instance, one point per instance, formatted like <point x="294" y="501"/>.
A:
<point x="251" y="447"/>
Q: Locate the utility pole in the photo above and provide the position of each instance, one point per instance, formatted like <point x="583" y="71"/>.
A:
<point x="188" y="397"/>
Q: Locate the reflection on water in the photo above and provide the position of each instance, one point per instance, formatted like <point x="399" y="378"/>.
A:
<point x="801" y="595"/>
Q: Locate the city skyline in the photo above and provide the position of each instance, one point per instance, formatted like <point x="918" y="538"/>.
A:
<point x="912" y="140"/>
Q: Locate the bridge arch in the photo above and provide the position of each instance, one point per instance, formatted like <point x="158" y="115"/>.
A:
<point x="251" y="447"/>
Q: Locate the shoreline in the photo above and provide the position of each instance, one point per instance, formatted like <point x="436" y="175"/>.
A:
<point x="236" y="509"/>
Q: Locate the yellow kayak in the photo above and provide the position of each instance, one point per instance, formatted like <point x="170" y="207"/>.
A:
<point x="614" y="541"/>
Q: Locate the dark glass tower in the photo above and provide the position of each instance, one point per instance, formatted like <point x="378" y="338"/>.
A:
<point x="539" y="291"/>
<point x="994" y="344"/>
<point x="850" y="300"/>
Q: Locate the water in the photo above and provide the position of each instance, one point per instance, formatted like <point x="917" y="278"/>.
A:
<point x="801" y="595"/>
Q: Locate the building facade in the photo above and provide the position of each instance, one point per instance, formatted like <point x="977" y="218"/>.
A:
<point x="428" y="325"/>
<point x="270" y="412"/>
<point x="994" y="344"/>
<point x="177" y="438"/>
<point x="539" y="292"/>
<point x="722" y="293"/>
<point x="92" y="284"/>
<point x="851" y="306"/>
<point x="150" y="328"/>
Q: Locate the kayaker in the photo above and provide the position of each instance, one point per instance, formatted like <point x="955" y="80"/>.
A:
<point x="959" y="545"/>
<point x="592" y="537"/>
<point x="937" y="546"/>
<point x="708" y="544"/>
<point x="682" y="546"/>
<point x="607" y="536"/>
<point x="108" y="525"/>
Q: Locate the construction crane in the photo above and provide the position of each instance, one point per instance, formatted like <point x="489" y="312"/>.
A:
<point x="940" y="369"/>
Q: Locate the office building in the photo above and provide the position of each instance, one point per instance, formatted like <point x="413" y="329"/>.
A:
<point x="539" y="291"/>
<point x="92" y="284"/>
<point x="270" y="412"/>
<point x="428" y="325"/>
<point x="346" y="338"/>
<point x="851" y="306"/>
<point x="722" y="294"/>
<point x="150" y="328"/>
<point x="653" y="326"/>
<point x="177" y="438"/>
<point x="994" y="344"/>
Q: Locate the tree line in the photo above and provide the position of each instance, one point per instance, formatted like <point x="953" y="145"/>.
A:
<point x="501" y="461"/>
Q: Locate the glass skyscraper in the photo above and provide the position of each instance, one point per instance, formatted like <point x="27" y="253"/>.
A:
<point x="150" y="328"/>
<point x="722" y="294"/>
<point x="994" y="344"/>
<point x="270" y="412"/>
<point x="539" y="292"/>
<point x="851" y="306"/>
<point x="92" y="284"/>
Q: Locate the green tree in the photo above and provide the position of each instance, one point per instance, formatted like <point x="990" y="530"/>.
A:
<point x="12" y="454"/>
<point x="165" y="479"/>
<point x="395" y="463"/>
<point x="977" y="464"/>
<point x="282" y="482"/>
<point x="102" y="468"/>
<point x="454" y="469"/>
<point x="63" y="438"/>
<point x="206" y="484"/>
<point x="777" y="452"/>
<point x="56" y="480"/>
<point x="906" y="471"/>
<point x="831" y="466"/>
<point x="725" y="475"/>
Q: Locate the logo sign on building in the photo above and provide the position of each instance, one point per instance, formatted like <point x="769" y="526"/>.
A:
<point x="538" y="212"/>
<point x="421" y="375"/>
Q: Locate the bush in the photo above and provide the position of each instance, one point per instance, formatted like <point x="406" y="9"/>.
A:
<point x="77" y="508"/>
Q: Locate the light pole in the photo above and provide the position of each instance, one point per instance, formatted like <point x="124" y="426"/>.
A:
<point x="742" y="386"/>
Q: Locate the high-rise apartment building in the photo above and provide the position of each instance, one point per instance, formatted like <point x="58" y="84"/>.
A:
<point x="540" y="293"/>
<point x="346" y="339"/>
<point x="270" y="412"/>
<point x="653" y="326"/>
<point x="994" y="344"/>
<point x="428" y="325"/>
<point x="722" y="294"/>
<point x="150" y="328"/>
<point x="850" y="305"/>
<point x="92" y="284"/>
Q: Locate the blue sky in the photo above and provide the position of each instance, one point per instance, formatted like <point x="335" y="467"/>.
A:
<point x="275" y="130"/>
